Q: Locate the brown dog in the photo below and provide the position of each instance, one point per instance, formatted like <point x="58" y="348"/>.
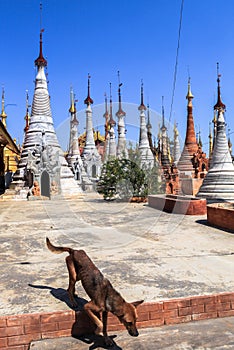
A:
<point x="104" y="297"/>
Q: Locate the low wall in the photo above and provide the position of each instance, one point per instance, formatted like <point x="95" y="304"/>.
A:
<point x="221" y="215"/>
<point x="187" y="205"/>
<point x="17" y="332"/>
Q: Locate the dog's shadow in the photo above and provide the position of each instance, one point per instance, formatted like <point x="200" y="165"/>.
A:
<point x="62" y="295"/>
<point x="83" y="328"/>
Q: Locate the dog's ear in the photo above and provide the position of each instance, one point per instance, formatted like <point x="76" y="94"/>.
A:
<point x="136" y="303"/>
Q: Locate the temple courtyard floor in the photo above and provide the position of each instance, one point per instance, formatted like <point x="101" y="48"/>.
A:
<point x="147" y="254"/>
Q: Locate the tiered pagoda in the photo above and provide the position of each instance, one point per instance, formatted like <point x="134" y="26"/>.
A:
<point x="146" y="155"/>
<point x="122" y="151"/>
<point x="42" y="163"/>
<point x="193" y="163"/>
<point x="91" y="158"/>
<point x="218" y="185"/>
<point x="73" y="155"/>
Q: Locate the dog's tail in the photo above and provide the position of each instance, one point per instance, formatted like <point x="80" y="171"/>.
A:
<point x="57" y="250"/>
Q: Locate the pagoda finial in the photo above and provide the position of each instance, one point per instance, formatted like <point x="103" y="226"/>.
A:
<point x="40" y="61"/>
<point x="3" y="114"/>
<point x="120" y="110"/>
<point x="110" y="100"/>
<point x="148" y="117"/>
<point x="142" y="106"/>
<point x="219" y="105"/>
<point x="163" y="116"/>
<point x="119" y="90"/>
<point x="199" y="138"/>
<point x="27" y="115"/>
<point x="106" y="116"/>
<point x="88" y="101"/>
<point x="111" y="121"/>
<point x="189" y="95"/>
<point x="72" y="108"/>
<point x="176" y="132"/>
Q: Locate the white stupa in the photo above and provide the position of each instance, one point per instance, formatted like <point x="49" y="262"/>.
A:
<point x="42" y="158"/>
<point x="146" y="155"/>
<point x="218" y="185"/>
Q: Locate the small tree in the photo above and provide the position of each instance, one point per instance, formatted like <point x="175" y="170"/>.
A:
<point x="153" y="178"/>
<point x="121" y="178"/>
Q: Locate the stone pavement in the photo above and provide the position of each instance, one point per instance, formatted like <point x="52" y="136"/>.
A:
<point x="147" y="254"/>
<point x="217" y="334"/>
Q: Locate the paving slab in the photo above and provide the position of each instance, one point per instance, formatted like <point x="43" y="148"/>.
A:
<point x="217" y="334"/>
<point x="147" y="254"/>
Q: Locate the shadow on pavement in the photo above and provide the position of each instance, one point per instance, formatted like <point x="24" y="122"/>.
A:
<point x="62" y="295"/>
<point x="206" y="223"/>
<point x="97" y="342"/>
<point x="83" y="328"/>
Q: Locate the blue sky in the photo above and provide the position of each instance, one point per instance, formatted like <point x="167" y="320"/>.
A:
<point x="138" y="38"/>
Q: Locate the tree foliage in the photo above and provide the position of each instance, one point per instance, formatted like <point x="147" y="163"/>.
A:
<point x="123" y="179"/>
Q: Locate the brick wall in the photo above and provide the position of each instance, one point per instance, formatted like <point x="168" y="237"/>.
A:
<point x="178" y="204"/>
<point x="16" y="332"/>
<point x="220" y="215"/>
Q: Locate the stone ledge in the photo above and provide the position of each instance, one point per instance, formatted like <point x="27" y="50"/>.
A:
<point x="221" y="215"/>
<point x="18" y="331"/>
<point x="186" y="205"/>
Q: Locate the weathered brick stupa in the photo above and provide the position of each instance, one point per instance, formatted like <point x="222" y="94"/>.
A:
<point x="42" y="160"/>
<point x="218" y="185"/>
<point x="192" y="162"/>
<point x="185" y="165"/>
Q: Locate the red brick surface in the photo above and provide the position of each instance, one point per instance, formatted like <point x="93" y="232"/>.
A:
<point x="2" y="321"/>
<point x="220" y="216"/>
<point x="3" y="342"/>
<point x="16" y="332"/>
<point x="178" y="205"/>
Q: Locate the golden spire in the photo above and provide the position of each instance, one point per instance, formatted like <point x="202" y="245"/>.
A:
<point x="72" y="108"/>
<point x="199" y="138"/>
<point x="189" y="95"/>
<point x="3" y="114"/>
<point x="176" y="132"/>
